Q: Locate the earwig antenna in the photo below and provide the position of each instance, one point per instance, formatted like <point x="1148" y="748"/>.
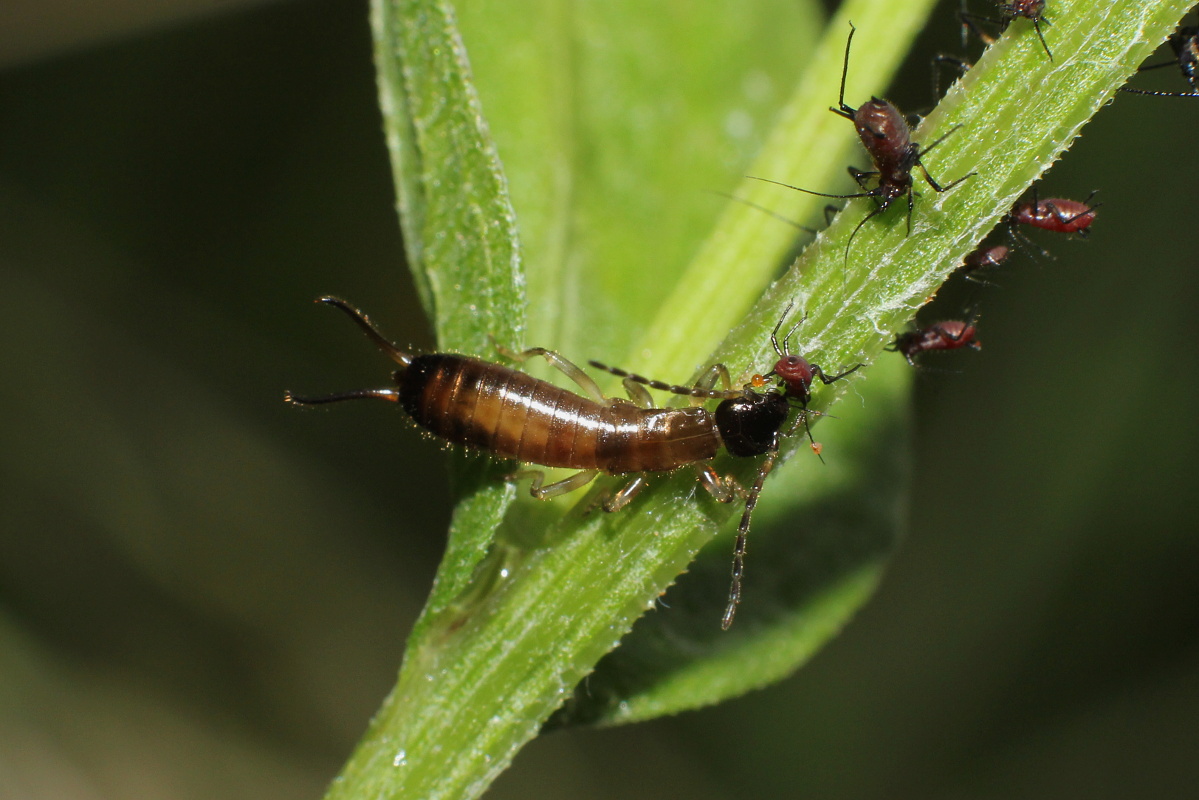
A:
<point x="687" y="391"/>
<point x="738" y="572"/>
<point x="362" y="321"/>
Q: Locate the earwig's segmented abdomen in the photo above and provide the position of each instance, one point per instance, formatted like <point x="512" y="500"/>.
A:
<point x="655" y="439"/>
<point x="513" y="415"/>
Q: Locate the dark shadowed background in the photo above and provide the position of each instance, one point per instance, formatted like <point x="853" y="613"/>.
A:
<point x="204" y="593"/>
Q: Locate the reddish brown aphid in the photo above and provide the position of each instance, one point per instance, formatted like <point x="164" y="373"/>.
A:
<point x="509" y="414"/>
<point x="986" y="257"/>
<point x="1185" y="44"/>
<point x="1031" y="10"/>
<point x="887" y="137"/>
<point x="948" y="335"/>
<point x="1055" y="214"/>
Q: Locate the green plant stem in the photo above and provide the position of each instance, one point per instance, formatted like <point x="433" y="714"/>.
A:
<point x="483" y="678"/>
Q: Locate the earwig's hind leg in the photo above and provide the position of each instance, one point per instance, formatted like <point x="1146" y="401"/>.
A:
<point x="723" y="489"/>
<point x="392" y="395"/>
<point x="564" y="486"/>
<point x="568" y="368"/>
<point x="617" y="501"/>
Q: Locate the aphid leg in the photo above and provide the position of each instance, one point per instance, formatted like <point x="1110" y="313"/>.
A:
<point x="827" y="379"/>
<point x="1036" y="25"/>
<point x="970" y="25"/>
<point x="955" y="63"/>
<point x="576" y="481"/>
<point x="626" y="493"/>
<point x="860" y="177"/>
<point x="358" y="394"/>
<point x="568" y="368"/>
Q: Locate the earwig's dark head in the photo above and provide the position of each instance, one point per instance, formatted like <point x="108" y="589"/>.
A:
<point x="749" y="425"/>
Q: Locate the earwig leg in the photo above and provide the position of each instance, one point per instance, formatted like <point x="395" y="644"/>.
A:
<point x="723" y="490"/>
<point x="714" y="373"/>
<point x="638" y="393"/>
<point x="621" y="498"/>
<point x="568" y="368"/>
<point x="358" y="394"/>
<point x="564" y="486"/>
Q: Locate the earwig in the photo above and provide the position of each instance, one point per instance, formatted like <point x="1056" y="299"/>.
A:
<point x="1009" y="12"/>
<point x="509" y="414"/>
<point x="948" y="335"/>
<point x="1185" y="44"/>
<point x="887" y="137"/>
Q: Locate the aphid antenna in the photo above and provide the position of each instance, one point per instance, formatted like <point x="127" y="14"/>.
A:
<point x="767" y="211"/>
<point x="1133" y="90"/>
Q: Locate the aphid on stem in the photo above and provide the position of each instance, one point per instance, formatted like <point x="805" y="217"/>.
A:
<point x="1031" y="10"/>
<point x="1055" y="214"/>
<point x="947" y="335"/>
<point x="887" y="137"/>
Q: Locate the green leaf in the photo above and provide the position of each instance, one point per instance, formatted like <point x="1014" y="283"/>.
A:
<point x="559" y="588"/>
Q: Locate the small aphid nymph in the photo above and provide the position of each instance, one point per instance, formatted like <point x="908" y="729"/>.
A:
<point x="948" y="335"/>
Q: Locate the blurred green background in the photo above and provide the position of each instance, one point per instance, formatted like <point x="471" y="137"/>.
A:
<point x="204" y="593"/>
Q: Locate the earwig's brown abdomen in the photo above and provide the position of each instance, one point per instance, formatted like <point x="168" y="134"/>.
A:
<point x="655" y="439"/>
<point x="513" y="415"/>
